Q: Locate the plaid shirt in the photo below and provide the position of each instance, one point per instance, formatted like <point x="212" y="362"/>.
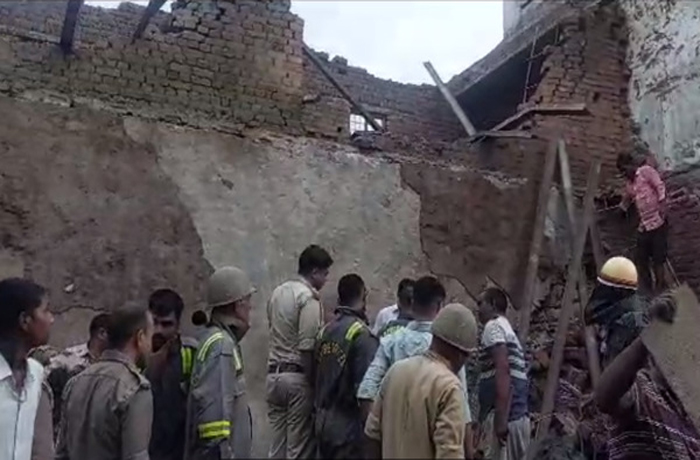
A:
<point x="656" y="427"/>
<point x="648" y="192"/>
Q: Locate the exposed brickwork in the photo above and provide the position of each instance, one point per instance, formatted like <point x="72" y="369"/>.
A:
<point x="409" y="109"/>
<point x="588" y="65"/>
<point x="228" y="63"/>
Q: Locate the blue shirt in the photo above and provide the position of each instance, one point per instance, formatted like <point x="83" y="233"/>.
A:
<point x="410" y="341"/>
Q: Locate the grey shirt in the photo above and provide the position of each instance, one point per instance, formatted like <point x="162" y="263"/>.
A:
<point x="107" y="412"/>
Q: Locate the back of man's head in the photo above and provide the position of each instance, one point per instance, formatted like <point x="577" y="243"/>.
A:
<point x="99" y="323"/>
<point x="351" y="288"/>
<point x="163" y="302"/>
<point x="18" y="296"/>
<point x="312" y="258"/>
<point x="405" y="291"/>
<point x="497" y="298"/>
<point x="124" y="324"/>
<point x="428" y="293"/>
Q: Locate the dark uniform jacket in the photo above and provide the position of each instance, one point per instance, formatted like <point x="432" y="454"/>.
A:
<point x="170" y="386"/>
<point x="219" y="423"/>
<point x="344" y="350"/>
<point x="107" y="412"/>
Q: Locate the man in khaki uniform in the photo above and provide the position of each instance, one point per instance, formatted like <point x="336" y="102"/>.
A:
<point x="419" y="412"/>
<point x="108" y="407"/>
<point x="294" y="316"/>
<point x="219" y="423"/>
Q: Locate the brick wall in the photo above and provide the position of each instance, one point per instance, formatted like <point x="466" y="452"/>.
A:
<point x="588" y="65"/>
<point x="229" y="63"/>
<point x="408" y="109"/>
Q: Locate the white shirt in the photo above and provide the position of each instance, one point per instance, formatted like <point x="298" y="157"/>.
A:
<point x="385" y="315"/>
<point x="18" y="411"/>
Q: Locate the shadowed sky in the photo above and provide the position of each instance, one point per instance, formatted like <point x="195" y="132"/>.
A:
<point x="392" y="39"/>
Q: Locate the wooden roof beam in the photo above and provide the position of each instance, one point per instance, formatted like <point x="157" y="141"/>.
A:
<point x="153" y="7"/>
<point x="70" y="21"/>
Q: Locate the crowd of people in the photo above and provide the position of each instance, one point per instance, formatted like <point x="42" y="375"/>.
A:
<point x="336" y="387"/>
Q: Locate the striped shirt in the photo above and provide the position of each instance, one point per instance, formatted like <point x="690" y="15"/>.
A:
<point x="498" y="331"/>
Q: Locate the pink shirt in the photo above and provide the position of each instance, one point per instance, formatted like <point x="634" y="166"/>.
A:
<point x="648" y="191"/>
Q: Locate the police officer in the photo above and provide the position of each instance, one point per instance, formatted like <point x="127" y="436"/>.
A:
<point x="343" y="352"/>
<point x="219" y="424"/>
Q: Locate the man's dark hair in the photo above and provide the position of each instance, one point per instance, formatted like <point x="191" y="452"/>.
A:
<point x="623" y="160"/>
<point x="350" y="289"/>
<point x="496" y="297"/>
<point x="124" y="324"/>
<point x="426" y="291"/>
<point x="18" y="296"/>
<point x="162" y="302"/>
<point x="100" y="321"/>
<point x="405" y="284"/>
<point x="312" y="258"/>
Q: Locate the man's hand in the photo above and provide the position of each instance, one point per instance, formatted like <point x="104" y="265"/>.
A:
<point x="663" y="307"/>
<point x="501" y="428"/>
<point x="663" y="209"/>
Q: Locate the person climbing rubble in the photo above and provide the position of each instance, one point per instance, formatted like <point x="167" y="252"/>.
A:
<point x="616" y="308"/>
<point x="647" y="191"/>
<point x="648" y="420"/>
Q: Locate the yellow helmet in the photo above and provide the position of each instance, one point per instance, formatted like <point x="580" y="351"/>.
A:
<point x="618" y="272"/>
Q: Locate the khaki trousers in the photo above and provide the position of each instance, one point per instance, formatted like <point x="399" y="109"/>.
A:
<point x="516" y="446"/>
<point x="290" y="413"/>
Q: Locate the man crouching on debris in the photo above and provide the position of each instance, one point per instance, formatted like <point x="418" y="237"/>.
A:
<point x="648" y="419"/>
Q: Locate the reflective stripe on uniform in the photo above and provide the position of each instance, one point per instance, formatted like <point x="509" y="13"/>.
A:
<point x="204" y="349"/>
<point x="212" y="430"/>
<point x="237" y="360"/>
<point x="354" y="329"/>
<point x="186" y="356"/>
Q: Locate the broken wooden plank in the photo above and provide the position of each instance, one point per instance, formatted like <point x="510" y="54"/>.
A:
<point x="153" y="7"/>
<point x="676" y="350"/>
<point x="589" y="331"/>
<point x="463" y="119"/>
<point x="501" y="134"/>
<point x="69" y="23"/>
<point x="573" y="273"/>
<point x="533" y="259"/>
<point x="542" y="108"/>
<point x="358" y="108"/>
<point x="596" y="244"/>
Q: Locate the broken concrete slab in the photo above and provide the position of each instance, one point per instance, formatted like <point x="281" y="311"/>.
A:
<point x="676" y="350"/>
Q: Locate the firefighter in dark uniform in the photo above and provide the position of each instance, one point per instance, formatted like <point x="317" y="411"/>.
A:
<point x="343" y="353"/>
<point x="169" y="370"/>
<point x="219" y="423"/>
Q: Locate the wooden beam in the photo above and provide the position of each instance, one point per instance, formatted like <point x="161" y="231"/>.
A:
<point x="358" y="108"/>
<point x="572" y="279"/>
<point x="589" y="331"/>
<point x="596" y="244"/>
<point x="463" y="119"/>
<point x="70" y="21"/>
<point x="153" y="7"/>
<point x="542" y="108"/>
<point x="533" y="259"/>
<point x="501" y="134"/>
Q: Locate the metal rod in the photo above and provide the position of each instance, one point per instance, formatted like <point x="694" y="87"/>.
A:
<point x="361" y="110"/>
<point x="463" y="119"/>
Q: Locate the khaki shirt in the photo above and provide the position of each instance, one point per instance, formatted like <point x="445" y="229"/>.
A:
<point x="294" y="315"/>
<point x="107" y="412"/>
<point x="419" y="412"/>
<point x="219" y="422"/>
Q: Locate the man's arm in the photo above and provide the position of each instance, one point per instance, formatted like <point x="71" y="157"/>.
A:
<point x="618" y="378"/>
<point x="136" y="423"/>
<point x="448" y="436"/>
<point x="654" y="178"/>
<point x="309" y="327"/>
<point x="373" y="425"/>
<point x="372" y="380"/>
<point x="469" y="448"/>
<point x="499" y="355"/>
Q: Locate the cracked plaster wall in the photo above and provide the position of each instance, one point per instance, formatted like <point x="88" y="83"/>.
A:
<point x="664" y="58"/>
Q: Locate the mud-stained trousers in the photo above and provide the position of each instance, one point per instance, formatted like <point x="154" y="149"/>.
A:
<point x="290" y="413"/>
<point x="338" y="435"/>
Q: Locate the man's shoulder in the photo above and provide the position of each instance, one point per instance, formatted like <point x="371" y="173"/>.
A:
<point x="297" y="287"/>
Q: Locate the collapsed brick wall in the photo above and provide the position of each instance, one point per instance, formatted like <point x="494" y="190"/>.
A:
<point x="588" y="66"/>
<point x="406" y="109"/>
<point x="228" y="63"/>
